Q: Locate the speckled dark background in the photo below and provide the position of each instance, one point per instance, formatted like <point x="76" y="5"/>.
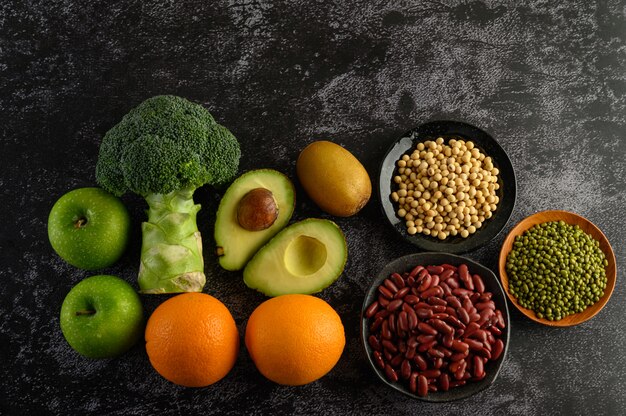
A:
<point x="546" y="78"/>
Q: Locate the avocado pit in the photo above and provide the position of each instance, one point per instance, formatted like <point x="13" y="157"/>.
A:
<point x="257" y="210"/>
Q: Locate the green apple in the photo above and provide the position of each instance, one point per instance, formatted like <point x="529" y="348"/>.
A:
<point x="102" y="317"/>
<point x="89" y="228"/>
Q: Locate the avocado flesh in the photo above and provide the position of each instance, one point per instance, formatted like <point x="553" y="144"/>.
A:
<point x="305" y="258"/>
<point x="235" y="244"/>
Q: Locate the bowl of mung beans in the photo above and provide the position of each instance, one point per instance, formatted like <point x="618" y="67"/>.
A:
<point x="557" y="268"/>
<point x="447" y="186"/>
<point x="435" y="326"/>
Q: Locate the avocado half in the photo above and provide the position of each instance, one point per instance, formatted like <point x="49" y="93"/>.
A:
<point x="305" y="258"/>
<point x="235" y="244"/>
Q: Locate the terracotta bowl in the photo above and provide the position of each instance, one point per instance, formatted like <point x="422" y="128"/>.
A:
<point x="589" y="228"/>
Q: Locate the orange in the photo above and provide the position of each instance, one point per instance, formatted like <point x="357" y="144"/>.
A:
<point x="295" y="339"/>
<point x="192" y="340"/>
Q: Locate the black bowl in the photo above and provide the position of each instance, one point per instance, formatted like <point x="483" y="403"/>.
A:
<point x="483" y="141"/>
<point x="492" y="284"/>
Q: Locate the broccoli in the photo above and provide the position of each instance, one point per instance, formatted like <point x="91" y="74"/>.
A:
<point x="163" y="150"/>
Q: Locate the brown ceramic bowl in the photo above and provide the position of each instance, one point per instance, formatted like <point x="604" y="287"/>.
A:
<point x="588" y="227"/>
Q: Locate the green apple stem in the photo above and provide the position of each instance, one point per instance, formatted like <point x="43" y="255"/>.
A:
<point x="171" y="252"/>
<point x="85" y="312"/>
<point x="79" y="223"/>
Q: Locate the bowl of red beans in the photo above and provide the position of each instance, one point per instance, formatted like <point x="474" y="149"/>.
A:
<point x="435" y="326"/>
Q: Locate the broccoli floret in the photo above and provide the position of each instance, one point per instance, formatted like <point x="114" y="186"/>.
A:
<point x="164" y="149"/>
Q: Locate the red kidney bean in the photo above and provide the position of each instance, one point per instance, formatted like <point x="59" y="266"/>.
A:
<point x="498" y="347"/>
<point x="463" y="316"/>
<point x="410" y="353"/>
<point x="422" y="305"/>
<point x="444" y="382"/>
<point x="388" y="356"/>
<point x="424" y="338"/>
<point x="485" y="297"/>
<point x="416" y="270"/>
<point x="376" y="324"/>
<point x="385" y="292"/>
<point x="410" y="281"/>
<point x="446" y="289"/>
<point x="473" y="344"/>
<point x="438" y="363"/>
<point x="383" y="301"/>
<point x="463" y="271"/>
<point x="421" y="362"/>
<point x="432" y="373"/>
<point x="422" y="386"/>
<point x="453" y="283"/>
<point x="451" y="311"/>
<point x="421" y="276"/>
<point x="390" y="373"/>
<point x="395" y="305"/>
<point x="495" y="330"/>
<point x="392" y="323"/>
<point x="449" y="267"/>
<point x="398" y="280"/>
<point x="384" y="330"/>
<point x="441" y="326"/>
<point x="383" y="313"/>
<point x="446" y="352"/>
<point x="447" y="341"/>
<point x="405" y="369"/>
<point x="457" y="383"/>
<point x="413" y="382"/>
<point x="461" y="292"/>
<point x="389" y="346"/>
<point x="474" y="297"/>
<point x="402" y="347"/>
<point x="389" y="284"/>
<point x="460" y="372"/>
<point x="372" y="309"/>
<point x="474" y="317"/>
<point x="432" y="387"/>
<point x="479" y="285"/>
<point x="406" y="307"/>
<point x="403" y="321"/>
<point x="500" y="317"/>
<point x="432" y="291"/>
<point x="378" y="360"/>
<point x="459" y="346"/>
<point x="426" y="329"/>
<point x="485" y="305"/>
<point x="434" y="280"/>
<point x="413" y="319"/>
<point x="396" y="361"/>
<point x="478" y="370"/>
<point x="480" y="335"/>
<point x="484" y="352"/>
<point x="471" y="327"/>
<point x="400" y="294"/>
<point x="438" y="308"/>
<point x="435" y="353"/>
<point x="425" y="284"/>
<point x="433" y="300"/>
<point x="424" y="313"/>
<point x="441" y="315"/>
<point x="426" y="346"/>
<point x="453" y="301"/>
<point x="412" y="342"/>
<point x="411" y="299"/>
<point x="454" y="321"/>
<point x="459" y="356"/>
<point x="455" y="365"/>
<point x="447" y="273"/>
<point x="485" y="315"/>
<point x="374" y="343"/>
<point x="435" y="269"/>
<point x="467" y="304"/>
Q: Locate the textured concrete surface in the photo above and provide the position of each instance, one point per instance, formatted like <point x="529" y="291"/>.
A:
<point x="547" y="79"/>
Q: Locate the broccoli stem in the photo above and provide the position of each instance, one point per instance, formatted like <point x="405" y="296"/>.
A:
<point x="171" y="252"/>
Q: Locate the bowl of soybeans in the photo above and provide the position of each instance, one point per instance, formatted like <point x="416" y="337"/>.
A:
<point x="447" y="186"/>
<point x="435" y="326"/>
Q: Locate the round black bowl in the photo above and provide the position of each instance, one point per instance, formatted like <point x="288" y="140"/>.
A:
<point x="492" y="284"/>
<point x="448" y="130"/>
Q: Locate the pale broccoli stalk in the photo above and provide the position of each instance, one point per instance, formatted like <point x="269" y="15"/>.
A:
<point x="164" y="149"/>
